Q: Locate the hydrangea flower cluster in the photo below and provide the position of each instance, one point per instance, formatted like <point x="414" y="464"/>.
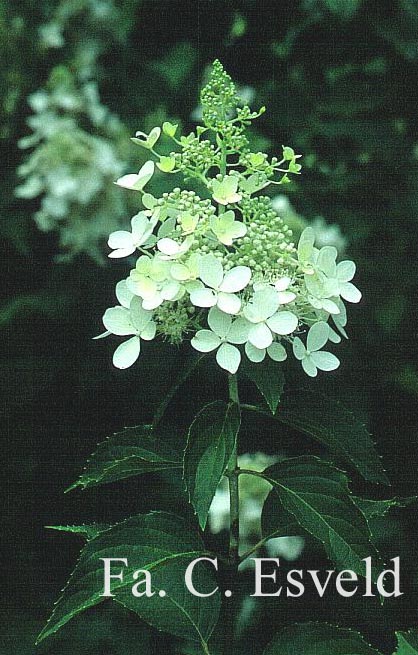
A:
<point x="72" y="169"/>
<point x="220" y="268"/>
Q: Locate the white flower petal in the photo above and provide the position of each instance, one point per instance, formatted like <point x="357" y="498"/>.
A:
<point x="333" y="336"/>
<point x="103" y="335"/>
<point x="346" y="270"/>
<point x="168" y="246"/>
<point x="306" y="243"/>
<point x="282" y="284"/>
<point x="170" y="290"/>
<point x="123" y="294"/>
<point x="309" y="367"/>
<point x="327" y="260"/>
<point x="317" y="336"/>
<point x="228" y="303"/>
<point x="299" y="349"/>
<point x="228" y="357"/>
<point x="120" y="239"/>
<point x="285" y="297"/>
<point x="236" y="279"/>
<point x="203" y="297"/>
<point x="238" y="332"/>
<point x="349" y="292"/>
<point x="149" y="331"/>
<point x="260" y="336"/>
<point x="254" y="354"/>
<point x="118" y="321"/>
<point x="277" y="352"/>
<point x="325" y="361"/>
<point x="211" y="271"/>
<point x="127" y="353"/>
<point x="283" y="322"/>
<point x="219" y="322"/>
<point x="139" y="316"/>
<point x="127" y="181"/>
<point x="263" y="304"/>
<point x="330" y="306"/>
<point x="205" y="341"/>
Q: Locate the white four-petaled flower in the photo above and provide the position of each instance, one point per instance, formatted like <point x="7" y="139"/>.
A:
<point x="311" y="356"/>
<point x="221" y="288"/>
<point x="223" y="333"/>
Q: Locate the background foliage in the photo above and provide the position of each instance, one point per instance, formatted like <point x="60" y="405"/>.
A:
<point x="340" y="80"/>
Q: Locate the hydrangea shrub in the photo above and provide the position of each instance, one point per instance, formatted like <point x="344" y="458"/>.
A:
<point x="218" y="267"/>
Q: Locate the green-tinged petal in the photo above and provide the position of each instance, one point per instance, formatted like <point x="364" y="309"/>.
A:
<point x="327" y="260"/>
<point x="277" y="352"/>
<point x="264" y="303"/>
<point x="143" y="286"/>
<point x="139" y="316"/>
<point x="349" y="292"/>
<point x="211" y="271"/>
<point x="317" y="336"/>
<point x="283" y="322"/>
<point x="166" y="228"/>
<point x="140" y="225"/>
<point x="205" y="341"/>
<point x="120" y="239"/>
<point x="254" y="354"/>
<point x="144" y="175"/>
<point x="229" y="302"/>
<point x="203" y="297"/>
<point x="236" y="279"/>
<point x="228" y="357"/>
<point x="330" y="306"/>
<point x="123" y="294"/>
<point x="127" y="353"/>
<point x="306" y="244"/>
<point x="149" y="331"/>
<point x="180" y="272"/>
<point x="260" y="336"/>
<point x="299" y="349"/>
<point x="170" y="290"/>
<point x="325" y="361"/>
<point x="219" y="322"/>
<point x="238" y="332"/>
<point x="346" y="270"/>
<point x="333" y="336"/>
<point x="309" y="367"/>
<point x="118" y="321"/>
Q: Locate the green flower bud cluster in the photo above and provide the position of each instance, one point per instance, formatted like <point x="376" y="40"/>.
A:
<point x="175" y="320"/>
<point x="198" y="155"/>
<point x="219" y="97"/>
<point x="225" y="268"/>
<point x="267" y="246"/>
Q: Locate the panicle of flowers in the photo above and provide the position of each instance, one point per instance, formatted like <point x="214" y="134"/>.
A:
<point x="72" y="169"/>
<point x="221" y="269"/>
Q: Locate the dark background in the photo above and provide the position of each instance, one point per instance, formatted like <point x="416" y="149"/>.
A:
<point x="340" y="81"/>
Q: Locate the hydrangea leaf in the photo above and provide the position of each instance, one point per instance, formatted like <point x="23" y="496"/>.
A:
<point x="317" y="495"/>
<point x="332" y="424"/>
<point x="210" y="443"/>
<point x="159" y="542"/>
<point x="378" y="508"/>
<point x="268" y="379"/>
<point x="133" y="451"/>
<point x="90" y="531"/>
<point x="407" y="643"/>
<point x="319" y="639"/>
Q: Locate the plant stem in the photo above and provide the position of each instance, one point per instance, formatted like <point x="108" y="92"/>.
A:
<point x="233" y="558"/>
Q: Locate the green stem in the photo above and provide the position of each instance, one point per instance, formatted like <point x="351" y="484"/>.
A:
<point x="233" y="557"/>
